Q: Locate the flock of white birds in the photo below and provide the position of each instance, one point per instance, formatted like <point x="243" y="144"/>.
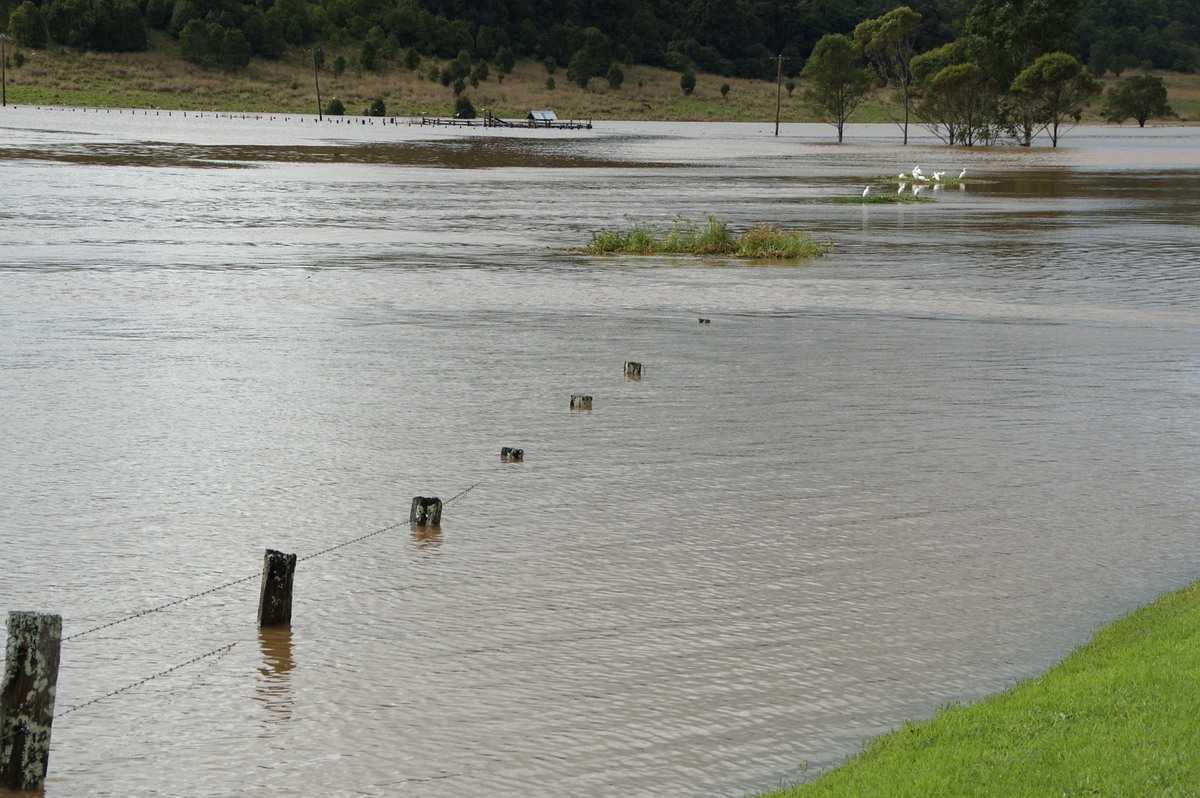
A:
<point x="918" y="180"/>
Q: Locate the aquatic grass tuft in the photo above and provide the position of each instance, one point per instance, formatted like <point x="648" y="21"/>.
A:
<point x="882" y="199"/>
<point x="684" y="237"/>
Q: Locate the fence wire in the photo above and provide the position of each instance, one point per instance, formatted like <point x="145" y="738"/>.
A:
<point x="211" y="590"/>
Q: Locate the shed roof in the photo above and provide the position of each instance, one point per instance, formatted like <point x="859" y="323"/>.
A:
<point x="542" y="116"/>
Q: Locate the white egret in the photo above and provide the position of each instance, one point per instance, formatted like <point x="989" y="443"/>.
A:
<point x="938" y="176"/>
<point x="866" y="191"/>
<point x="962" y="174"/>
<point x="902" y="187"/>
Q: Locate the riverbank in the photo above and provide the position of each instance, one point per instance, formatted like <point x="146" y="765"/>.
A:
<point x="158" y="79"/>
<point x="1116" y="717"/>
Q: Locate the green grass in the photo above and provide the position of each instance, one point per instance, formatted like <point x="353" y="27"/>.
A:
<point x="711" y="238"/>
<point x="1119" y="717"/>
<point x="882" y="199"/>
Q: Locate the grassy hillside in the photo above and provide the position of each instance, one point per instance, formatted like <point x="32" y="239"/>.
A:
<point x="158" y="79"/>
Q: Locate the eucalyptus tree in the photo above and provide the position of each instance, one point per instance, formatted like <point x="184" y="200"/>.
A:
<point x="1051" y="93"/>
<point x="1142" y="97"/>
<point x="890" y="44"/>
<point x="839" y="84"/>
<point x="1005" y="36"/>
<point x="959" y="103"/>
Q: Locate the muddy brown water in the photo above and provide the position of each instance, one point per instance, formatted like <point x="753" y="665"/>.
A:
<point x="910" y="473"/>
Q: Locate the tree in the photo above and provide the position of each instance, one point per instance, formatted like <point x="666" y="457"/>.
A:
<point x="1142" y="97"/>
<point x="615" y="76"/>
<point x="958" y="102"/>
<point x="378" y="108"/>
<point x="463" y="109"/>
<point x="890" y="44"/>
<point x="1003" y="37"/>
<point x="1051" y="91"/>
<point x="27" y="25"/>
<point x="335" y="107"/>
<point x="724" y="91"/>
<point x="687" y="82"/>
<point x="839" y="84"/>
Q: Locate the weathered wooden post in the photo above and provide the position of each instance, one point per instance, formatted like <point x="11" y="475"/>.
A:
<point x="27" y="698"/>
<point x="426" y="511"/>
<point x="275" y="599"/>
<point x="581" y="402"/>
<point x="706" y="321"/>
<point x="510" y="455"/>
<point x="633" y="370"/>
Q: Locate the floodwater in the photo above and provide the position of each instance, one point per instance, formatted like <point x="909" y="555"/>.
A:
<point x="910" y="473"/>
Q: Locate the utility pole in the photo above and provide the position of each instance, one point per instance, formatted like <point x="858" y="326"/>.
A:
<point x="3" y="72"/>
<point x="317" y="83"/>
<point x="778" y="88"/>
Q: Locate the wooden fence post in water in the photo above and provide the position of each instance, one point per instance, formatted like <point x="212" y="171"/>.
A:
<point x="581" y="402"/>
<point x="633" y="370"/>
<point x="510" y="455"/>
<point x="426" y="511"/>
<point x="27" y="698"/>
<point x="275" y="599"/>
<point x="706" y="321"/>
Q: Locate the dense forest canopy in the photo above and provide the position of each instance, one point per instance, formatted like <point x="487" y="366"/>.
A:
<point x="730" y="37"/>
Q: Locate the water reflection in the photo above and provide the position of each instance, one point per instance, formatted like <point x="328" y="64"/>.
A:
<point x="427" y="538"/>
<point x="274" y="688"/>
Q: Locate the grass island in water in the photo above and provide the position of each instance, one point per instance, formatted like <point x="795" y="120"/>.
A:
<point x="712" y="238"/>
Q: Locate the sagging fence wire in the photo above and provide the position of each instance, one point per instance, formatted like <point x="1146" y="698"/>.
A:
<point x="239" y="581"/>
<point x="222" y="650"/>
<point x="216" y="651"/>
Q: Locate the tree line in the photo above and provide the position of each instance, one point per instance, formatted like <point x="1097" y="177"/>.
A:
<point x="1009" y="75"/>
<point x="727" y="37"/>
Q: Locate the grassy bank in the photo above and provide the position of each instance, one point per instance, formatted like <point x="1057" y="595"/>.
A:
<point x="159" y="79"/>
<point x="1119" y="716"/>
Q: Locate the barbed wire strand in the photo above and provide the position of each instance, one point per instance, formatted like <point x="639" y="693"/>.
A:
<point x="178" y="601"/>
<point x="222" y="650"/>
<point x="140" y="682"/>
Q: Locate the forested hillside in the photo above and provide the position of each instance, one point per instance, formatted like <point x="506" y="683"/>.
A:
<point x="585" y="37"/>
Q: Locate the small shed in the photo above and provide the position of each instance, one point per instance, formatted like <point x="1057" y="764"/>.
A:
<point x="541" y="118"/>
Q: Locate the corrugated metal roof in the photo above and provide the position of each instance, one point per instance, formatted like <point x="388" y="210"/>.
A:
<point x="542" y="116"/>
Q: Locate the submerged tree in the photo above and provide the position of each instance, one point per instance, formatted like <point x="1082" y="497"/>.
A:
<point x="958" y="101"/>
<point x="1051" y="91"/>
<point x="890" y="44"/>
<point x="839" y="84"/>
<point x="1142" y="97"/>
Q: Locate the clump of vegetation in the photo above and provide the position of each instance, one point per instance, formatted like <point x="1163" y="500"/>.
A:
<point x="684" y="237"/>
<point x="883" y="199"/>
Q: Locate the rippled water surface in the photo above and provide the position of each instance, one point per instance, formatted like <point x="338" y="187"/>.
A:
<point x="909" y="473"/>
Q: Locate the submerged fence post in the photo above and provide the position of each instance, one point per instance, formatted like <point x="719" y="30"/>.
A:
<point x="27" y="698"/>
<point x="581" y="402"/>
<point x="426" y="511"/>
<point x="511" y="455"/>
<point x="633" y="370"/>
<point x="275" y="599"/>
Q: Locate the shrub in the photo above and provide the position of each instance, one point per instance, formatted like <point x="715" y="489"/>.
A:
<point x="687" y="82"/>
<point x="335" y="107"/>
<point x="615" y="76"/>
<point x="377" y="108"/>
<point x="463" y="109"/>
